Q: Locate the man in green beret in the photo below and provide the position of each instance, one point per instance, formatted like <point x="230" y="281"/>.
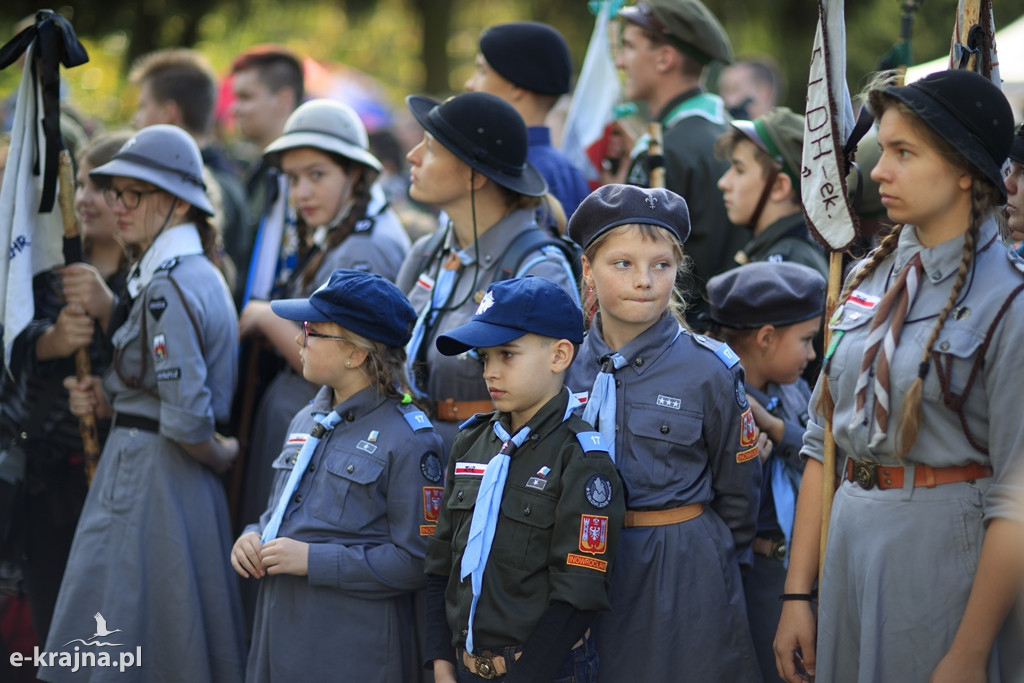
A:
<point x="666" y="48"/>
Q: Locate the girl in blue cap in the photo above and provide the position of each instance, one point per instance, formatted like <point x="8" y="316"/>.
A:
<point x="672" y="407"/>
<point x="924" y="558"/>
<point x="148" y="562"/>
<point x="357" y="488"/>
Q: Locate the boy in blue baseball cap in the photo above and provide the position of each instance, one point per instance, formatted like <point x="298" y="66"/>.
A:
<point x="531" y="499"/>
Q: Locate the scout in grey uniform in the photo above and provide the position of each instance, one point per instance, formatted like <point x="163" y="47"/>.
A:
<point x="360" y="510"/>
<point x="922" y="366"/>
<point x="472" y="164"/>
<point x="358" y="231"/>
<point x="673" y="403"/>
<point x="770" y="314"/>
<point x="536" y="480"/>
<point x="150" y="550"/>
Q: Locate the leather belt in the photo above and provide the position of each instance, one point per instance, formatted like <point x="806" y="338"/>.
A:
<point x="663" y="517"/>
<point x="128" y="421"/>
<point x="774" y="548"/>
<point x="488" y="666"/>
<point x="869" y="475"/>
<point x="450" y="410"/>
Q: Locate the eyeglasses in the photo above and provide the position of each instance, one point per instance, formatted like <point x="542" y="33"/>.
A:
<point x="306" y="334"/>
<point x="129" y="199"/>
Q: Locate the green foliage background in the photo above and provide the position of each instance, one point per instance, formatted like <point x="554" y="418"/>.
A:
<point x="384" y="38"/>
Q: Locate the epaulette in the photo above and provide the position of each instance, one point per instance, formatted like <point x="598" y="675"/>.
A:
<point x="720" y="349"/>
<point x="475" y="420"/>
<point x="591" y="442"/>
<point x="363" y="225"/>
<point x="416" y="418"/>
<point x="168" y="264"/>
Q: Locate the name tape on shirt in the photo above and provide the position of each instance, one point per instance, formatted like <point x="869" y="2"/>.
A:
<point x="863" y="299"/>
<point x="574" y="560"/>
<point x="470" y="469"/>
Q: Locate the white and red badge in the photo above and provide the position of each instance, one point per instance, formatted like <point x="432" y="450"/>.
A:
<point x="432" y="502"/>
<point x="470" y="469"/>
<point x="748" y="437"/>
<point x="593" y="534"/>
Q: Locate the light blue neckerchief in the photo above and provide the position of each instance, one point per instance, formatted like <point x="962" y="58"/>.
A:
<point x="600" y="408"/>
<point x="324" y="424"/>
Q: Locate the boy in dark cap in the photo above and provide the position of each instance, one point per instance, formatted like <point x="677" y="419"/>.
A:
<point x="770" y="314"/>
<point x="536" y="481"/>
<point x="527" y="64"/>
<point x="761" y="189"/>
<point x="666" y="48"/>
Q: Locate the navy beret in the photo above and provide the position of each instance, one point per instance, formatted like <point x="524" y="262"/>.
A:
<point x="612" y="205"/>
<point x="512" y="308"/>
<point x="529" y="54"/>
<point x="364" y="303"/>
<point x="766" y="293"/>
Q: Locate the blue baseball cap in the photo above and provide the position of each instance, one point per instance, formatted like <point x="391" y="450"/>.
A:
<point x="512" y="308"/>
<point x="364" y="303"/>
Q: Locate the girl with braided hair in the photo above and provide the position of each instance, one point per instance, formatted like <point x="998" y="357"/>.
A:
<point x="922" y="562"/>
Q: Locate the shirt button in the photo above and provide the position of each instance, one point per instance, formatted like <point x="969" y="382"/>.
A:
<point x="465" y="632"/>
<point x="459" y="496"/>
<point x="298" y="498"/>
<point x="350" y="416"/>
<point x="618" y="383"/>
<point x="944" y="346"/>
<point x="310" y="468"/>
<point x="638" y="362"/>
<point x="350" y="469"/>
<point x="534" y="438"/>
<point x="664" y="429"/>
<point x="616" y="429"/>
<point x="526" y="510"/>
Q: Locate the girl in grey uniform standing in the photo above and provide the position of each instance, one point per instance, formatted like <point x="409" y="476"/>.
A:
<point x="472" y="165"/>
<point x="923" y="556"/>
<point x="674" y="405"/>
<point x="357" y="490"/>
<point x="343" y="222"/>
<point x="147" y="569"/>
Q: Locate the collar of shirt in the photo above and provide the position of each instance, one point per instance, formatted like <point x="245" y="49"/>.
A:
<point x="178" y="240"/>
<point x="643" y="351"/>
<point x="356" y="406"/>
<point x="547" y="419"/>
<point x="539" y="135"/>
<point x="493" y="243"/>
<point x="776" y="231"/>
<point x="942" y="260"/>
<point x="667" y="110"/>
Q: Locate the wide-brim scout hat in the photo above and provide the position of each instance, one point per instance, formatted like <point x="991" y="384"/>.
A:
<point x="766" y="293"/>
<point x="512" y="308"/>
<point x="166" y="157"/>
<point x="969" y="112"/>
<point x="613" y="205"/>
<point x="364" y="303"/>
<point x="780" y="135"/>
<point x="1017" y="148"/>
<point x="326" y="125"/>
<point x="484" y="132"/>
<point x="530" y="55"/>
<point x="686" y="24"/>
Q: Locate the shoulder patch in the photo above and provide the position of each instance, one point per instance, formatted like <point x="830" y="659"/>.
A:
<point x="156" y="306"/>
<point x="475" y="420"/>
<point x="727" y="355"/>
<point x="598" y="491"/>
<point x="741" y="394"/>
<point x="168" y="375"/>
<point x="591" y="441"/>
<point x="417" y="420"/>
<point x="430" y="466"/>
<point x="168" y="264"/>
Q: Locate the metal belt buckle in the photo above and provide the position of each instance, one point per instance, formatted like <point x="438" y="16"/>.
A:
<point x="485" y="668"/>
<point x="865" y="473"/>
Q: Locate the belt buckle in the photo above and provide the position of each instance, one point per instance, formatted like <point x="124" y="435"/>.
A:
<point x="779" y="549"/>
<point x="484" y="665"/>
<point x="865" y="473"/>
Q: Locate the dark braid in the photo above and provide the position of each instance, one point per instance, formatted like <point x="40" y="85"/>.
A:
<point x="360" y="200"/>
<point x="910" y="422"/>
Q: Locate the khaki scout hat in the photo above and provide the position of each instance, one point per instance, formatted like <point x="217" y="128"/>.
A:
<point x="780" y="135"/>
<point x="687" y="24"/>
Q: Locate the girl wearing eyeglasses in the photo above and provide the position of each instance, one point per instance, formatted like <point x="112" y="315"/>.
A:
<point x="148" y="564"/>
<point x="338" y="551"/>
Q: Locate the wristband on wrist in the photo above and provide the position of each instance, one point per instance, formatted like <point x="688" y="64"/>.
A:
<point x="805" y="597"/>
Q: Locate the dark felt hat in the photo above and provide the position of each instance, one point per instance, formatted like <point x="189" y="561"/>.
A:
<point x="766" y="293"/>
<point x="612" y="205"/>
<point x="687" y="24"/>
<point x="969" y="112"/>
<point x="365" y="303"/>
<point x="486" y="133"/>
<point x="1017" y="149"/>
<point x="512" y="308"/>
<point x="780" y="135"/>
<point x="529" y="54"/>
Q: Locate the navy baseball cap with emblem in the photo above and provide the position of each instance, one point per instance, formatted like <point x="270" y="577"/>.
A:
<point x="512" y="308"/>
<point x="766" y="293"/>
<point x="610" y="206"/>
<point x="364" y="303"/>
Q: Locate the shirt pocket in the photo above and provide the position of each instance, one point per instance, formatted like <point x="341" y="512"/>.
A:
<point x="460" y="505"/>
<point x="344" y="494"/>
<point x="957" y="347"/>
<point x="666" y="448"/>
<point x="842" y="351"/>
<point x="525" y="538"/>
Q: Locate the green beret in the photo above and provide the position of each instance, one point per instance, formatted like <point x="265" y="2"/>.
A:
<point x="780" y="134"/>
<point x="687" y="24"/>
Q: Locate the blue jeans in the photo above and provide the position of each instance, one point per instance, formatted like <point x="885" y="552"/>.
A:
<point x="580" y="666"/>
